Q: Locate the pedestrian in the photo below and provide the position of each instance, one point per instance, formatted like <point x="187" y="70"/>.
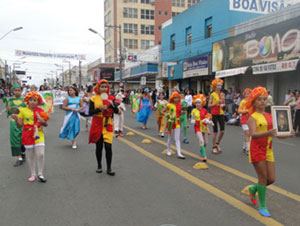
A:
<point x="71" y="125"/>
<point x="154" y="96"/>
<point x="119" y="116"/>
<point x="216" y="104"/>
<point x="297" y="115"/>
<point x="13" y="105"/>
<point x="145" y="109"/>
<point x="160" y="116"/>
<point x="189" y="100"/>
<point x="198" y="116"/>
<point x="244" y="120"/>
<point x="270" y="102"/>
<point x="86" y="105"/>
<point x="229" y="101"/>
<point x="292" y="102"/>
<point x="173" y="111"/>
<point x="35" y="146"/>
<point x="183" y="117"/>
<point x="101" y="132"/>
<point x="261" y="152"/>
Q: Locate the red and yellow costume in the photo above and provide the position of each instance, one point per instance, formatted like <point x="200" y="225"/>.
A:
<point x="242" y="108"/>
<point x="217" y="110"/>
<point x="102" y="123"/>
<point x="174" y="109"/>
<point x="260" y="149"/>
<point x="30" y="120"/>
<point x="200" y="114"/>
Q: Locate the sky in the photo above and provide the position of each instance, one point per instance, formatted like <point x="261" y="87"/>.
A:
<point x="50" y="26"/>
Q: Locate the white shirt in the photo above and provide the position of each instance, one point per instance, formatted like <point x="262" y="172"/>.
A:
<point x="189" y="100"/>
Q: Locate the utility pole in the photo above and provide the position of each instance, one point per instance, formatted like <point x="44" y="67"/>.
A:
<point x="120" y="50"/>
<point x="79" y="74"/>
<point x="70" y="74"/>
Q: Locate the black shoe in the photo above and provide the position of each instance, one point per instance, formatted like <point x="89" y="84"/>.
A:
<point x="110" y="172"/>
<point x="23" y="157"/>
<point x="42" y="179"/>
<point x="99" y="170"/>
<point x="18" y="163"/>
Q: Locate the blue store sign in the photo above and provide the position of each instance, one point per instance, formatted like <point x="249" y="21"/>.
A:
<point x="197" y="66"/>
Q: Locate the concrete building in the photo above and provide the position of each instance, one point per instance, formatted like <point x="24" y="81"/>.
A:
<point x="140" y="22"/>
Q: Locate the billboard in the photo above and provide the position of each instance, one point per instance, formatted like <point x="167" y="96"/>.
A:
<point x="260" y="6"/>
<point x="107" y="73"/>
<point x="50" y="55"/>
<point x="197" y="66"/>
<point x="277" y="42"/>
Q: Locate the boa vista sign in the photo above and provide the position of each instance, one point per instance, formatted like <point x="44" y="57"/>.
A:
<point x="277" y="42"/>
<point x="260" y="6"/>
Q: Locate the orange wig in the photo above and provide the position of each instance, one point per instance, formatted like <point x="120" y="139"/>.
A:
<point x="247" y="90"/>
<point x="34" y="95"/>
<point x="214" y="83"/>
<point x="257" y="92"/>
<point x="199" y="97"/>
<point x="174" y="95"/>
<point x="96" y="87"/>
<point x="208" y="116"/>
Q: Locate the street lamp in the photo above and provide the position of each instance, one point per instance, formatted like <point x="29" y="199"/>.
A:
<point x="15" y="29"/>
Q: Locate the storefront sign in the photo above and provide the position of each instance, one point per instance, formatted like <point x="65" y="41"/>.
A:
<point x="277" y="42"/>
<point x="143" y="81"/>
<point x="107" y="73"/>
<point x="281" y="66"/>
<point x="231" y="72"/>
<point x="197" y="66"/>
<point x="260" y="6"/>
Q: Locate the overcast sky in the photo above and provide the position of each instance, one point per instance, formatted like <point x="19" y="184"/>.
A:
<point x="50" y="26"/>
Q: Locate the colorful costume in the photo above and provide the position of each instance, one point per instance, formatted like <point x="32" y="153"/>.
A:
<point x="145" y="111"/>
<point x="15" y="132"/>
<point x="134" y="103"/>
<point x="71" y="124"/>
<point x="160" y="116"/>
<point x="183" y="119"/>
<point x="119" y="117"/>
<point x="101" y="131"/>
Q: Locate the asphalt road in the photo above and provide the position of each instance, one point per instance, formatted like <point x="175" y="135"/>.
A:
<point x="149" y="188"/>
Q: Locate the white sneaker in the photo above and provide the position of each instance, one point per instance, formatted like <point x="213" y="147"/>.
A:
<point x="169" y="153"/>
<point x="180" y="156"/>
<point x="162" y="135"/>
<point x="74" y="146"/>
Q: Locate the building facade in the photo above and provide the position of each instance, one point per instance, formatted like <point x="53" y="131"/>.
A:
<point x="140" y="22"/>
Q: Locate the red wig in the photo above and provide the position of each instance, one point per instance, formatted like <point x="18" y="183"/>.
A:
<point x="214" y="83"/>
<point x="257" y="92"/>
<point x="174" y="95"/>
<point x="34" y="95"/>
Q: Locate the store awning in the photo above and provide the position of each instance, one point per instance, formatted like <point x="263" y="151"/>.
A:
<point x="231" y="72"/>
<point x="280" y="66"/>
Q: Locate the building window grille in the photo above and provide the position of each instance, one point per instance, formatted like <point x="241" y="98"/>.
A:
<point x="131" y="43"/>
<point x="130" y="13"/>
<point x="130" y="28"/>
<point x="146" y="44"/>
<point x="193" y="2"/>
<point x="188" y="35"/>
<point x="147" y="29"/>
<point x="178" y="3"/>
<point x="208" y="27"/>
<point x="147" y="14"/>
<point x="173" y="44"/>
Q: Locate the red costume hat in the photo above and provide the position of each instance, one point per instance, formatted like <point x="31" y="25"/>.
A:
<point x="34" y="95"/>
<point x="257" y="92"/>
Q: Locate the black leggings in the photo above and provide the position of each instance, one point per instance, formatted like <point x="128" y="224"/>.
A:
<point x="108" y="153"/>
<point x="218" y="119"/>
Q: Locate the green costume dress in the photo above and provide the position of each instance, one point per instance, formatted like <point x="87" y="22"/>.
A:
<point x="15" y="131"/>
<point x="183" y="117"/>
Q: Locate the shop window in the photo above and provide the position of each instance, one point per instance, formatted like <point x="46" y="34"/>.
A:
<point x="208" y="27"/>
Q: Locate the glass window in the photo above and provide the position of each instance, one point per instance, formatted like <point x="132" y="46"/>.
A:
<point x="188" y="36"/>
<point x="208" y="27"/>
<point x="134" y="1"/>
<point x="107" y="18"/>
<point x="147" y="29"/>
<point x="159" y="12"/>
<point x="174" y="14"/>
<point x="146" y="44"/>
<point x="130" y="13"/>
<point x="178" y="3"/>
<point x="107" y="4"/>
<point x="131" y="43"/>
<point x="147" y="14"/>
<point x="130" y="28"/>
<point x="172" y="44"/>
<point x="192" y="2"/>
<point x="145" y="1"/>
<point x="166" y="13"/>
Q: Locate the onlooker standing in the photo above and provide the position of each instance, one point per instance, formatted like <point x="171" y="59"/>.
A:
<point x="189" y="100"/>
<point x="229" y="101"/>
<point x="292" y="102"/>
<point x="287" y="95"/>
<point x="297" y="115"/>
<point x="269" y="103"/>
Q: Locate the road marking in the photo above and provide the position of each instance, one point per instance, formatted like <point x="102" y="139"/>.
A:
<point x="209" y="188"/>
<point x="223" y="167"/>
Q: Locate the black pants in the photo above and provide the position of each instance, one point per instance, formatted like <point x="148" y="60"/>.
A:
<point x="108" y="153"/>
<point x="297" y="121"/>
<point x="218" y="119"/>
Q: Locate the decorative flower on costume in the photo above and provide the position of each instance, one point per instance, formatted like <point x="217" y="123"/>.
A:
<point x="174" y="95"/>
<point x="199" y="97"/>
<point x="33" y="95"/>
<point x="214" y="83"/>
<point x="247" y="90"/>
<point x="257" y="92"/>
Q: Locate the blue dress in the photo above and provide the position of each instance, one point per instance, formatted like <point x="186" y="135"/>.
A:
<point x="71" y="125"/>
<point x="145" y="111"/>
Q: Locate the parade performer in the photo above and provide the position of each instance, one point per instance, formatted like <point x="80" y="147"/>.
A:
<point x="198" y="117"/>
<point x="27" y="118"/>
<point x="86" y="104"/>
<point x="183" y="118"/>
<point x="135" y="101"/>
<point x="160" y="116"/>
<point x="145" y="108"/>
<point x="102" y="109"/>
<point x="13" y="105"/>
<point x="174" y="109"/>
<point x="119" y="117"/>
<point x="71" y="126"/>
<point x="216" y="104"/>
<point x="244" y="120"/>
<point x="261" y="152"/>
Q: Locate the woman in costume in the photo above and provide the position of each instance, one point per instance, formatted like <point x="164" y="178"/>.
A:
<point x="86" y="104"/>
<point x="71" y="126"/>
<point x="102" y="109"/>
<point x="15" y="132"/>
<point x="35" y="148"/>
<point x="216" y="104"/>
<point x="173" y="110"/>
<point x="160" y="104"/>
<point x="183" y="118"/>
<point x="244" y="120"/>
<point x="145" y="108"/>
<point x="198" y="116"/>
<point x="261" y="152"/>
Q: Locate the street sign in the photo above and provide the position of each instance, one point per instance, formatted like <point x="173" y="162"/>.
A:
<point x="143" y="80"/>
